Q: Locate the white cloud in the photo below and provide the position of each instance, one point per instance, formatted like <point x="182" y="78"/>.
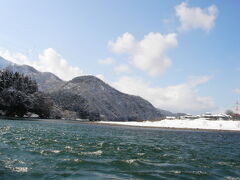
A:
<point x="48" y="61"/>
<point x="122" y="69"/>
<point x="237" y="90"/>
<point x="106" y="61"/>
<point x="123" y="44"/>
<point x="194" y="18"/>
<point x="51" y="61"/>
<point x="178" y="98"/>
<point x="17" y="58"/>
<point x="148" y="54"/>
<point x="197" y="80"/>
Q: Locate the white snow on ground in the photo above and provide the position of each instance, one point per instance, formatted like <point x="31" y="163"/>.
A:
<point x="200" y="123"/>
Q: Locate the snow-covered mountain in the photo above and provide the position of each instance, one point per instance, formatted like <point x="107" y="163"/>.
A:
<point x="4" y="63"/>
<point x="47" y="82"/>
<point x="88" y="94"/>
<point x="89" y="97"/>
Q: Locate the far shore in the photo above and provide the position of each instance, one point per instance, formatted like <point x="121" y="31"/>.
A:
<point x="165" y="128"/>
<point x="121" y="124"/>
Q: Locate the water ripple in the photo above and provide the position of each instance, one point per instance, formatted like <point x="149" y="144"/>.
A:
<point x="47" y="150"/>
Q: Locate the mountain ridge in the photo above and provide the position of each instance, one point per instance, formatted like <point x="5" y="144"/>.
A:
<point x="106" y="101"/>
<point x="89" y="97"/>
<point x="47" y="81"/>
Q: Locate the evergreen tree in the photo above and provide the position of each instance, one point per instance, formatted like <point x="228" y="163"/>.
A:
<point x="19" y="95"/>
<point x="42" y="105"/>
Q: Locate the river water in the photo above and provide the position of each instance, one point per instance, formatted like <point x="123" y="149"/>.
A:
<point x="67" y="150"/>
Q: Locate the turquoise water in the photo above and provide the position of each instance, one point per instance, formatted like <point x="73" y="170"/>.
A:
<point x="58" y="150"/>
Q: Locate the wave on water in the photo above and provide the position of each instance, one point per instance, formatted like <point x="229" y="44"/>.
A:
<point x="55" y="151"/>
<point x="97" y="153"/>
<point x="20" y="169"/>
<point x="130" y="161"/>
<point x="38" y="150"/>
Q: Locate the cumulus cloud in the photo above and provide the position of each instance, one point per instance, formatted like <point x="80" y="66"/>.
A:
<point x="178" y="98"/>
<point x="51" y="61"/>
<point x="148" y="54"/>
<point x="196" y="18"/>
<point x="106" y="61"/>
<point x="17" y="58"/>
<point x="48" y="61"/>
<point x="122" y="69"/>
<point x="123" y="44"/>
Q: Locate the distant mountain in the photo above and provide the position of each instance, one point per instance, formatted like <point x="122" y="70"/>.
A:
<point x="93" y="96"/>
<point x="47" y="81"/>
<point x="89" y="97"/>
<point x="168" y="113"/>
<point x="4" y="63"/>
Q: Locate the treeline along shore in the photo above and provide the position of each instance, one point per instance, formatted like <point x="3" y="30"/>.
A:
<point x="19" y="97"/>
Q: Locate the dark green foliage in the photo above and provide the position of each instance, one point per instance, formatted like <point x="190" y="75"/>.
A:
<point x="94" y="116"/>
<point x="75" y="103"/>
<point x="17" y="82"/>
<point x="14" y="102"/>
<point x="42" y="105"/>
<point x="19" y="95"/>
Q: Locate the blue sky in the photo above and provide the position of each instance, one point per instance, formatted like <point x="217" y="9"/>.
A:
<point x="194" y="70"/>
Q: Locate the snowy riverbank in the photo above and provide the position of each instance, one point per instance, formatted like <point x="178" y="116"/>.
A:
<point x="200" y="123"/>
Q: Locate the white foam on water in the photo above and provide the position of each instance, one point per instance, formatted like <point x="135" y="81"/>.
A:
<point x="97" y="153"/>
<point x="77" y="160"/>
<point x="20" y="169"/>
<point x="55" y="151"/>
<point x="130" y="161"/>
<point x="100" y="144"/>
<point x="231" y="178"/>
<point x="68" y="147"/>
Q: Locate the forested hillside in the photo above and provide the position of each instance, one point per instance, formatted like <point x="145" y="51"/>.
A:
<point x="19" y="96"/>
